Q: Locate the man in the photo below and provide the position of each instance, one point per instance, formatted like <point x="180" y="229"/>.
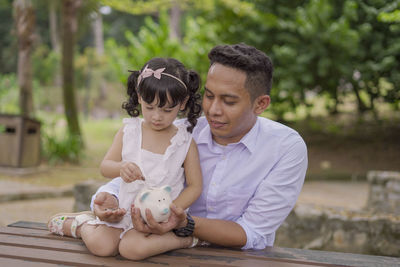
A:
<point x="253" y="168"/>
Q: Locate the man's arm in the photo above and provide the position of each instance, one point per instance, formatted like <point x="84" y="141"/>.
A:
<point x="275" y="197"/>
<point x="220" y="232"/>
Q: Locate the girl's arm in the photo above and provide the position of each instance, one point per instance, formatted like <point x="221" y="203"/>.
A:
<point x="194" y="178"/>
<point x="111" y="164"/>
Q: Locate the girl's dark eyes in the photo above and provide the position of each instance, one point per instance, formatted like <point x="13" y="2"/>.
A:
<point x="209" y="96"/>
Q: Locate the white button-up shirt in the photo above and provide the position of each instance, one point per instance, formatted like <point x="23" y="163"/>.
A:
<point x="254" y="182"/>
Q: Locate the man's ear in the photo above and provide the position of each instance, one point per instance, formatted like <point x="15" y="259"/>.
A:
<point x="261" y="104"/>
<point x="183" y="104"/>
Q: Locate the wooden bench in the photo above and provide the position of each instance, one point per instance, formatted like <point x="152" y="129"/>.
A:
<point x="30" y="244"/>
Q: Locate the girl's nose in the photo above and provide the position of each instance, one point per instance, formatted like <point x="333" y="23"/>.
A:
<point x="157" y="116"/>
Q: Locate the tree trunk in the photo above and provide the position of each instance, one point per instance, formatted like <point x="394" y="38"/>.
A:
<point x="98" y="33"/>
<point x="99" y="44"/>
<point x="25" y="23"/>
<point x="70" y="25"/>
<point x="174" y="22"/>
<point x="360" y="103"/>
<point x="54" y="38"/>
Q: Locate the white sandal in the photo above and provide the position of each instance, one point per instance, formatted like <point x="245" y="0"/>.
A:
<point x="56" y="222"/>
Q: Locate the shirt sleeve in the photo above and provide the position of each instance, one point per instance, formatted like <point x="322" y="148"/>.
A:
<point x="111" y="187"/>
<point x="275" y="197"/>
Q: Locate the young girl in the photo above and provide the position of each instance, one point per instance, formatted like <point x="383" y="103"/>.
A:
<point x="147" y="152"/>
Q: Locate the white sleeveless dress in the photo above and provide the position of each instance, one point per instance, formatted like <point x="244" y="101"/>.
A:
<point x="158" y="169"/>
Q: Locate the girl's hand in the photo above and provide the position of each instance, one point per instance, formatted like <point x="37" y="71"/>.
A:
<point x="106" y="208"/>
<point x="130" y="172"/>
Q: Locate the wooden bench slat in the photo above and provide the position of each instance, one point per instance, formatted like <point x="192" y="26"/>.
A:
<point x="46" y="252"/>
<point x="201" y="255"/>
<point x="32" y="238"/>
<point x="212" y="252"/>
<point x="67" y="258"/>
<point x="67" y="244"/>
<point x="22" y="263"/>
<point x="34" y="233"/>
<point x="41" y="243"/>
<point x="30" y="225"/>
<point x="338" y="258"/>
<point x="29" y="242"/>
<point x="64" y="258"/>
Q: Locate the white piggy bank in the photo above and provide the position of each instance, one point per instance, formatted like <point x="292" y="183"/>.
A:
<point x="157" y="200"/>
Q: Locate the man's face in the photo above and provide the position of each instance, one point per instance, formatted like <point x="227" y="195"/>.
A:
<point x="227" y="105"/>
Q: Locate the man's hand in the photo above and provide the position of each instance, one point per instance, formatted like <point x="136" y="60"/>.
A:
<point x="177" y="219"/>
<point x="107" y="209"/>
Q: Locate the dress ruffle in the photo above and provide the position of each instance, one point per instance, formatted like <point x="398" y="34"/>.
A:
<point x="181" y="137"/>
<point x="132" y="125"/>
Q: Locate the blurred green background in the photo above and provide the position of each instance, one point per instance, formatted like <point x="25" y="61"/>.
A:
<point x="336" y="78"/>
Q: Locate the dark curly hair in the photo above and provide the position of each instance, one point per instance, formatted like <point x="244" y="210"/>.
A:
<point x="255" y="63"/>
<point x="150" y="88"/>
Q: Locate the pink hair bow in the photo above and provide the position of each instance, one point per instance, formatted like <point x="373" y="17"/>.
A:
<point x="147" y="72"/>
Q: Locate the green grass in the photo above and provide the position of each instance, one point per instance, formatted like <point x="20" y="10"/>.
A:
<point x="98" y="136"/>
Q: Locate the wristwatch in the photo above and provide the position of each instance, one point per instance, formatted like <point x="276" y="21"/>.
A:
<point x="187" y="230"/>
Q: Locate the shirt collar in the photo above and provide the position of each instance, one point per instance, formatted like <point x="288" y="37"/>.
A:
<point x="249" y="140"/>
<point x="205" y="136"/>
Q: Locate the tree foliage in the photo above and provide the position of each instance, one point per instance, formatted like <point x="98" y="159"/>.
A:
<point x="334" y="49"/>
<point x="324" y="47"/>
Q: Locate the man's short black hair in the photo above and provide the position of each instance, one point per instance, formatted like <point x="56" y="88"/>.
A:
<point x="255" y="63"/>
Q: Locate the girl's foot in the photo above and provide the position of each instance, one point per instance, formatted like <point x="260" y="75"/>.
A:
<point x="68" y="223"/>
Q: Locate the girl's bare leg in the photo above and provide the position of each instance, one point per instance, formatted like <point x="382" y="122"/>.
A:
<point x="101" y="240"/>
<point x="135" y="245"/>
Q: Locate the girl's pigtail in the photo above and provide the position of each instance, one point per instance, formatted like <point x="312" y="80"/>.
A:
<point x="193" y="103"/>
<point x="131" y="106"/>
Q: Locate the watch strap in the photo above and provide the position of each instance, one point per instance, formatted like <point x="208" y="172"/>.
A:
<point x="187" y="230"/>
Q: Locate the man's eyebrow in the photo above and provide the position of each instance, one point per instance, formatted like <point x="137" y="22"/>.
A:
<point x="223" y="95"/>
<point x="230" y="96"/>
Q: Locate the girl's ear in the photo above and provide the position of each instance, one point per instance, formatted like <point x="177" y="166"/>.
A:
<point x="261" y="104"/>
<point x="183" y="104"/>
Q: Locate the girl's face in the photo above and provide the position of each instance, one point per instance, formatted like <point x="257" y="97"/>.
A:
<point x="159" y="118"/>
